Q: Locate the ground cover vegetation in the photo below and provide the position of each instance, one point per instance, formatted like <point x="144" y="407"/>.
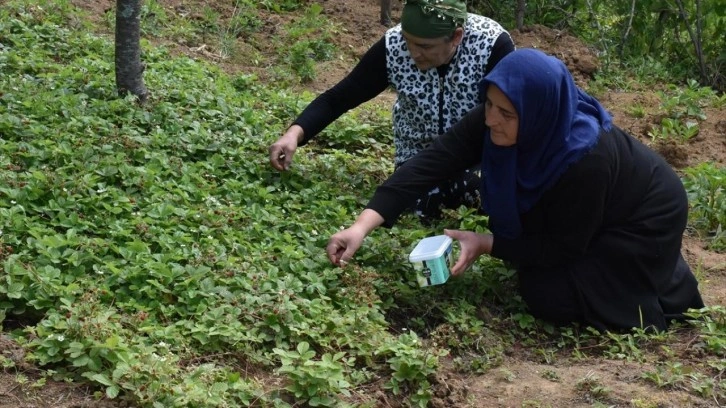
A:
<point x="151" y="254"/>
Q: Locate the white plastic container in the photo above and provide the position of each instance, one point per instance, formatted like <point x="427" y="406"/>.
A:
<point x="431" y="258"/>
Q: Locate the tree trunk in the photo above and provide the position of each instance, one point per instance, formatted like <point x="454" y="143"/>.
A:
<point x="521" y="6"/>
<point x="129" y="69"/>
<point x="695" y="36"/>
<point x="621" y="46"/>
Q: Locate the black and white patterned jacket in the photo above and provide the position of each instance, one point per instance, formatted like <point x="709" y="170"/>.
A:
<point x="427" y="104"/>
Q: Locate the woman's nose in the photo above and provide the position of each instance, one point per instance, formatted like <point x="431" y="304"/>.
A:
<point x="491" y="118"/>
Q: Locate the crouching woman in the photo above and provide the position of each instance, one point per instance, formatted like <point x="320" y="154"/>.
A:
<point x="591" y="218"/>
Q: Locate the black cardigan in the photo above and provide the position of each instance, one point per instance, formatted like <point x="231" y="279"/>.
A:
<point x="366" y="81"/>
<point x="613" y="223"/>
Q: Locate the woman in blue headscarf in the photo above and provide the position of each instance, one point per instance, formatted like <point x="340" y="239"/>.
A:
<point x="591" y="218"/>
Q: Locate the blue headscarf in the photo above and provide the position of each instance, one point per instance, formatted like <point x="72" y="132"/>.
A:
<point x="558" y="124"/>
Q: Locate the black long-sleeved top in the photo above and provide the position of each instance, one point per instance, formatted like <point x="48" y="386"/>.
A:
<point x="613" y="223"/>
<point x="366" y="81"/>
<point x="602" y="188"/>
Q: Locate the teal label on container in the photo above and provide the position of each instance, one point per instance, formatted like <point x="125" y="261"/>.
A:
<point x="434" y="271"/>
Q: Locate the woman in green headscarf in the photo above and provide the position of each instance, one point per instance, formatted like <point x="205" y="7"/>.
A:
<point x="433" y="30"/>
<point x="433" y="19"/>
<point x="434" y="60"/>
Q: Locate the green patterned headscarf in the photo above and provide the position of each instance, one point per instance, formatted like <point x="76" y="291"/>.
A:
<point x="432" y="18"/>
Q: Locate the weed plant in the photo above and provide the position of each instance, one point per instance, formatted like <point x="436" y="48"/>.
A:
<point x="706" y="187"/>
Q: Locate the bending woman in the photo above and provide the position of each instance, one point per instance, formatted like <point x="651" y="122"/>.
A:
<point x="433" y="60"/>
<point x="591" y="218"/>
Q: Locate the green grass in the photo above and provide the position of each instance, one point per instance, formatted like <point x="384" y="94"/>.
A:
<point x="151" y="252"/>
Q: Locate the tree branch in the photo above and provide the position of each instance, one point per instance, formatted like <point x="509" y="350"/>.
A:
<point x="695" y="39"/>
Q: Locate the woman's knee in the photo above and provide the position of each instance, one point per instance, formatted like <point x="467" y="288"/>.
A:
<point x="551" y="299"/>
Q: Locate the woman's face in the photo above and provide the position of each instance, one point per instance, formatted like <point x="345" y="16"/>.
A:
<point x="500" y="117"/>
<point x="430" y="53"/>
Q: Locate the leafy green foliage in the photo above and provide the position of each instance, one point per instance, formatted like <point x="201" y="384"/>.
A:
<point x="284" y="5"/>
<point x="154" y="255"/>
<point x="159" y="210"/>
<point x="411" y="366"/>
<point x="315" y="381"/>
<point x="706" y="189"/>
<point x="687" y="102"/>
<point x="712" y="322"/>
<point x="310" y="44"/>
<point x="650" y="37"/>
<point x="682" y="109"/>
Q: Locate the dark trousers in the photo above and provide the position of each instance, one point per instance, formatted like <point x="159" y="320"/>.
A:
<point x="551" y="294"/>
<point x="386" y="13"/>
<point x="460" y="190"/>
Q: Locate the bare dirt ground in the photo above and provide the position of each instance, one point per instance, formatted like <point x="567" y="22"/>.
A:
<point x="521" y="380"/>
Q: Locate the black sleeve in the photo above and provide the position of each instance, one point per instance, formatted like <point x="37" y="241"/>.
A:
<point x="454" y="151"/>
<point x="568" y="215"/>
<point x="367" y="79"/>
<point x="503" y="46"/>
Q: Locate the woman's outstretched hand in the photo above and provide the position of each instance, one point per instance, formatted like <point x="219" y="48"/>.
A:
<point x="284" y="148"/>
<point x="472" y="244"/>
<point x="343" y="244"/>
